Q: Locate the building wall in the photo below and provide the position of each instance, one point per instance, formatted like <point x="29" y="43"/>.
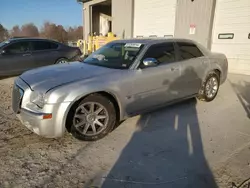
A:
<point x="122" y="13"/>
<point x="188" y="12"/>
<point x="233" y="17"/>
<point x="86" y="20"/>
<point x="197" y="14"/>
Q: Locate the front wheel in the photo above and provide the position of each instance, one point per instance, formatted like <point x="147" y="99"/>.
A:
<point x="209" y="88"/>
<point x="93" y="118"/>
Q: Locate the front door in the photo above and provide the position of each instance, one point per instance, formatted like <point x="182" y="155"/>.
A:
<point x="16" y="58"/>
<point x="154" y="86"/>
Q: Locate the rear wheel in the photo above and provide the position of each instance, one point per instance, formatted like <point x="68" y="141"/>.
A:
<point x="93" y="118"/>
<point x="61" y="61"/>
<point x="210" y="88"/>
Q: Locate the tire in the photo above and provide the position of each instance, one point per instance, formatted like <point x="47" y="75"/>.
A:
<point x="84" y="125"/>
<point x="61" y="61"/>
<point x="203" y="94"/>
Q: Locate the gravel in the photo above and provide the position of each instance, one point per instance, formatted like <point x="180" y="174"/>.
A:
<point x="27" y="160"/>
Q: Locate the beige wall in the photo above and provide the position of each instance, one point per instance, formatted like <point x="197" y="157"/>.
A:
<point x="122" y="13"/>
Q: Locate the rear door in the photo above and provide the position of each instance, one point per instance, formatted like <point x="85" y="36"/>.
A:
<point x="154" y="86"/>
<point x="17" y="58"/>
<point x="44" y="52"/>
<point x="193" y="66"/>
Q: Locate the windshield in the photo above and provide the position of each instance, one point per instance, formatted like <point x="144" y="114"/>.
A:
<point x="115" y="55"/>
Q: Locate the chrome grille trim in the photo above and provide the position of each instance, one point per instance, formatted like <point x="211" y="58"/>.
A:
<point x="17" y="95"/>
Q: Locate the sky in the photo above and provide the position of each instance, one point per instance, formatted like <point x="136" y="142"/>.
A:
<point x="18" y="12"/>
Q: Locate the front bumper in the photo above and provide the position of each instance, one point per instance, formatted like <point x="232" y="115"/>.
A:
<point x="48" y="122"/>
<point x="49" y="128"/>
<point x="35" y="123"/>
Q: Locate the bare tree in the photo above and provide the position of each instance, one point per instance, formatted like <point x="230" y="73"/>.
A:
<point x="70" y="31"/>
<point x="49" y="30"/>
<point x="3" y="33"/>
<point x="55" y="32"/>
<point x="62" y="35"/>
<point x="79" y="32"/>
<point x="75" y="33"/>
<point x="30" y="30"/>
<point x="15" y="31"/>
<point x="46" y="30"/>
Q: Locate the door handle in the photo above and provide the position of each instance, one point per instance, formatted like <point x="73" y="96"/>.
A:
<point x="26" y="55"/>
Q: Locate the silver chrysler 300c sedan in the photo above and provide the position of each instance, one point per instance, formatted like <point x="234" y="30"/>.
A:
<point x="122" y="79"/>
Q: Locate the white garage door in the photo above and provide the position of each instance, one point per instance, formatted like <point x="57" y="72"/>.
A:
<point x="154" y="18"/>
<point x="231" y="33"/>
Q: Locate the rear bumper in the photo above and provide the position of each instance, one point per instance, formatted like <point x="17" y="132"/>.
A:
<point x="76" y="57"/>
<point x="223" y="77"/>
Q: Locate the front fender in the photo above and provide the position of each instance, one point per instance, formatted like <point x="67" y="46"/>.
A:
<point x="75" y="92"/>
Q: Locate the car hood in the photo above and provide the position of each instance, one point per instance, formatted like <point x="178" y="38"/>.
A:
<point x="46" y="78"/>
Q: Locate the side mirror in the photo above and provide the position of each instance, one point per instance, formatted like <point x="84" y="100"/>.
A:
<point x="150" y="62"/>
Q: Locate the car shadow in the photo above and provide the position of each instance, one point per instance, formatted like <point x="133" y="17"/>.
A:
<point x="243" y="93"/>
<point x="165" y="151"/>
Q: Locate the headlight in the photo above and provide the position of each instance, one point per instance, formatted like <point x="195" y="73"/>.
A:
<point x="38" y="99"/>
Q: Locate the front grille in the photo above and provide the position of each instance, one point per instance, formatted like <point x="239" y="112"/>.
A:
<point x="17" y="95"/>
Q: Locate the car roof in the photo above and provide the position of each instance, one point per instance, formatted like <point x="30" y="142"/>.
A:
<point x="150" y="41"/>
<point x="29" y="38"/>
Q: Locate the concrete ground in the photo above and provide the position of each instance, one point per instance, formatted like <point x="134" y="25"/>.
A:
<point x="191" y="144"/>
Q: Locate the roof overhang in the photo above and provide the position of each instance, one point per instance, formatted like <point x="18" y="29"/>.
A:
<point x="83" y="1"/>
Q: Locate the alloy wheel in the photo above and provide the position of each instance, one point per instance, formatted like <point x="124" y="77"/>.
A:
<point x="211" y="87"/>
<point x="91" y="118"/>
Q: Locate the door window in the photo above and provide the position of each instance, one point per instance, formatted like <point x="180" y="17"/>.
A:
<point x="163" y="53"/>
<point x="53" y="45"/>
<point x="18" y="47"/>
<point x="43" y="45"/>
<point x="188" y="51"/>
